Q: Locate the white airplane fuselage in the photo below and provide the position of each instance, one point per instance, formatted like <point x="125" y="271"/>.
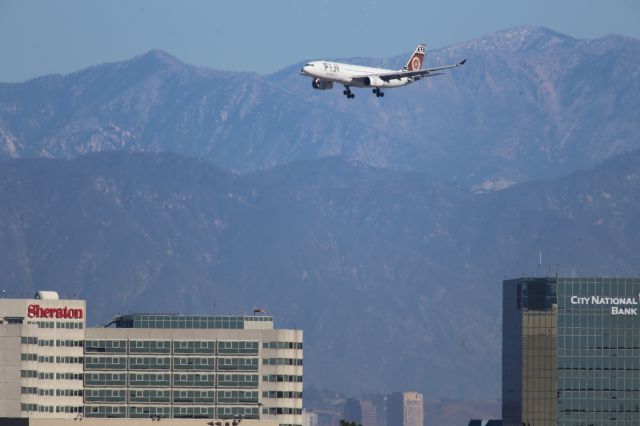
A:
<point x="326" y="73"/>
<point x="351" y="75"/>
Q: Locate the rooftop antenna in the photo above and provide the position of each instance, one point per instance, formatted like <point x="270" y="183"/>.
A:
<point x="539" y="261"/>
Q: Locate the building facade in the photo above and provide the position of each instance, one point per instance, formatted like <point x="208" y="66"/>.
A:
<point x="146" y="366"/>
<point x="405" y="409"/>
<point x="363" y="412"/>
<point x="571" y="351"/>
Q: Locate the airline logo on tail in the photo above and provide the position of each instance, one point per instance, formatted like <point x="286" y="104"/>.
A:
<point x="415" y="61"/>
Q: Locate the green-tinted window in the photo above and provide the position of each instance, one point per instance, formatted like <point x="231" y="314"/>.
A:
<point x="237" y="380"/>
<point x="237" y="364"/>
<point x="150" y="346"/>
<point x="105" y="346"/>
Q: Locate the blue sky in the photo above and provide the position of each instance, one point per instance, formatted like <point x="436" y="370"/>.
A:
<point x="46" y="36"/>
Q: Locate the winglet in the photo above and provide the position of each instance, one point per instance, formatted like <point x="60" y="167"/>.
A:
<point x="462" y="62"/>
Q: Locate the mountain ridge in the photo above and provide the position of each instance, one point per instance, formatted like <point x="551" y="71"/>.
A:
<point x="363" y="259"/>
<point x="509" y="115"/>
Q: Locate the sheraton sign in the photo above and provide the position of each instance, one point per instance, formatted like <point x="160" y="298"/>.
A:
<point x="37" y="311"/>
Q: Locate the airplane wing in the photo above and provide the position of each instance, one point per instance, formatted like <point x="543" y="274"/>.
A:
<point x="418" y="74"/>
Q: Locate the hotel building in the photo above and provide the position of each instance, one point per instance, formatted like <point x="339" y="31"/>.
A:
<point x="571" y="351"/>
<point x="224" y="369"/>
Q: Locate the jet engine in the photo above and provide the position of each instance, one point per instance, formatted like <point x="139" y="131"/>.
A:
<point x="321" y="84"/>
<point x="373" y="81"/>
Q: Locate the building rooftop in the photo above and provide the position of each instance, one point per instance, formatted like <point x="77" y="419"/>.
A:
<point x="193" y="321"/>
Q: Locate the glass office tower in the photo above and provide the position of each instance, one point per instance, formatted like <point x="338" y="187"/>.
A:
<point x="571" y="351"/>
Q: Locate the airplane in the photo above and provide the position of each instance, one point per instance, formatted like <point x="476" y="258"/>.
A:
<point x="325" y="74"/>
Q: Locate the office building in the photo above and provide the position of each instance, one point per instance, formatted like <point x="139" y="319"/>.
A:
<point x="405" y="409"/>
<point x="363" y="412"/>
<point x="571" y="351"/>
<point x="149" y="366"/>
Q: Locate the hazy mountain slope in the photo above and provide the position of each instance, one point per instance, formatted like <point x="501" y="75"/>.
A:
<point x="530" y="103"/>
<point x="394" y="276"/>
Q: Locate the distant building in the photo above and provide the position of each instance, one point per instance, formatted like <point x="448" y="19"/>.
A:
<point x="369" y="413"/>
<point x="360" y="411"/>
<point x="220" y="368"/>
<point x="309" y="418"/>
<point x="380" y="402"/>
<point x="571" y="351"/>
<point x="405" y="409"/>
<point x="352" y="412"/>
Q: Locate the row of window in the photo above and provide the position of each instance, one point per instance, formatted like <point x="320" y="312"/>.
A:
<point x="50" y="409"/>
<point x="281" y="410"/>
<point x="29" y="374"/>
<point x="164" y="363"/>
<point x="51" y="359"/>
<point x="177" y="412"/>
<point x="61" y="343"/>
<point x="282" y="345"/>
<point x="69" y="376"/>
<point x="177" y="380"/>
<point x="282" y="394"/>
<point x="62" y="324"/>
<point x="282" y="378"/>
<point x="151" y="346"/>
<point x="150" y="396"/>
<point x="186" y="321"/>
<point x="282" y="361"/>
<point x="30" y="390"/>
<point x="165" y="347"/>
<point x="45" y="375"/>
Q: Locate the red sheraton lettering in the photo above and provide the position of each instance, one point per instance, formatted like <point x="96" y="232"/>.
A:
<point x="37" y="311"/>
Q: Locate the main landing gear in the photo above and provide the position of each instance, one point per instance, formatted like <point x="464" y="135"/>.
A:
<point x="378" y="92"/>
<point x="347" y="93"/>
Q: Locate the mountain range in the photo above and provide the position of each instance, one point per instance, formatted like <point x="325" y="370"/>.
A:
<point x="530" y="103"/>
<point x="394" y="276"/>
<point x="382" y="227"/>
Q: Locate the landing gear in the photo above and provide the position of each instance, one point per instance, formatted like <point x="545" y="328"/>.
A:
<point x="378" y="92"/>
<point x="347" y="93"/>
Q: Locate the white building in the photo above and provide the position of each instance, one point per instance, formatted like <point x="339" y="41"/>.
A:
<point x="405" y="409"/>
<point x="224" y="369"/>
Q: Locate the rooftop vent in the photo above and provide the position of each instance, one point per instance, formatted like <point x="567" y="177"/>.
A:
<point x="47" y="295"/>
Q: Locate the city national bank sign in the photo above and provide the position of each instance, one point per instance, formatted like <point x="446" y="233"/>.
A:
<point x="37" y="311"/>
<point x="618" y="305"/>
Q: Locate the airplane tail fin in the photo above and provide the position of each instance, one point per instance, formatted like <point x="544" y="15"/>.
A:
<point x="415" y="61"/>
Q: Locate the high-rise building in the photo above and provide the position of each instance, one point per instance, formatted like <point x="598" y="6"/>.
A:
<point x="369" y="413"/>
<point x="571" y="351"/>
<point x="362" y="412"/>
<point x="352" y="411"/>
<point x="405" y="409"/>
<point x="146" y="365"/>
